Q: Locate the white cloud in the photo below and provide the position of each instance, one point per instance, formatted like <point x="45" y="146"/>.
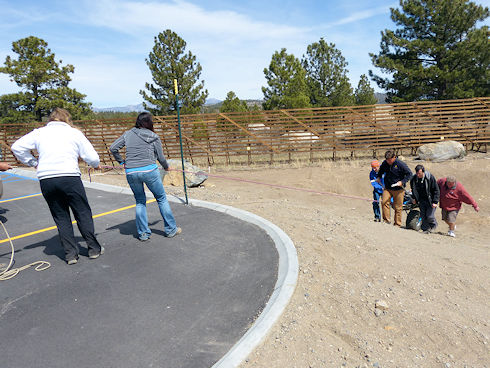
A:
<point x="360" y="15"/>
<point x="133" y="17"/>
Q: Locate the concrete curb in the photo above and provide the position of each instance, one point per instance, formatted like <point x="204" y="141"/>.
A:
<point x="286" y="279"/>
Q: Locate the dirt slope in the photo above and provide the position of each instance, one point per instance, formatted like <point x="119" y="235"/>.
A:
<point x="435" y="289"/>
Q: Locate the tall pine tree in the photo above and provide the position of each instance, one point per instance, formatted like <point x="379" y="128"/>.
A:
<point x="364" y="94"/>
<point x="168" y="61"/>
<point x="437" y="52"/>
<point x="44" y="83"/>
<point x="326" y="75"/>
<point x="287" y="83"/>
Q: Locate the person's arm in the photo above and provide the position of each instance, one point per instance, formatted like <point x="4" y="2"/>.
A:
<point x="468" y="199"/>
<point x="116" y="146"/>
<point x="406" y="171"/>
<point x="159" y="152"/>
<point x="414" y="191"/>
<point x="22" y="148"/>
<point x="87" y="152"/>
<point x="436" y="193"/>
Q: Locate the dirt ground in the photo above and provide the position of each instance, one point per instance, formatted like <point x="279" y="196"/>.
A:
<point x="433" y="291"/>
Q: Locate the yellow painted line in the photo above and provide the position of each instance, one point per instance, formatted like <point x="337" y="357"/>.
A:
<point x="16" y="199"/>
<point x="73" y="222"/>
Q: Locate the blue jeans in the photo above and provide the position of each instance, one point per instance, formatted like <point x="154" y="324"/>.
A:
<point x="376" y="210"/>
<point x="154" y="183"/>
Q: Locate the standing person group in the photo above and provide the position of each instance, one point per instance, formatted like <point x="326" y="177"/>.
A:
<point x="427" y="193"/>
<point x="60" y="145"/>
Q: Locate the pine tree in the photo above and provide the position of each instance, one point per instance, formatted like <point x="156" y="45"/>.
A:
<point x="233" y="104"/>
<point x="44" y="83"/>
<point x="167" y="61"/>
<point x="287" y="83"/>
<point x="436" y="53"/>
<point x="326" y="75"/>
<point x="364" y="94"/>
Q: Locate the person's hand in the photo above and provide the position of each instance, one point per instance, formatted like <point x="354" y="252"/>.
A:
<point x="434" y="205"/>
<point x="167" y="169"/>
<point x="399" y="183"/>
<point x="378" y="180"/>
<point x="4" y="166"/>
<point x="414" y="201"/>
<point x="477" y="208"/>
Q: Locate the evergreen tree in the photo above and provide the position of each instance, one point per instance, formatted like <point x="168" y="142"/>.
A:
<point x="168" y="61"/>
<point x="287" y="83"/>
<point x="326" y="75"/>
<point x="436" y="53"/>
<point x="43" y="81"/>
<point x="233" y="104"/>
<point x="364" y="94"/>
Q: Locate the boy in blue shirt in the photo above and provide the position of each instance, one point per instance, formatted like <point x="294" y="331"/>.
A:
<point x="378" y="189"/>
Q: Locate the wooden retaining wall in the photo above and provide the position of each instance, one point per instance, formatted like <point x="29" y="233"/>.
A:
<point x="268" y="136"/>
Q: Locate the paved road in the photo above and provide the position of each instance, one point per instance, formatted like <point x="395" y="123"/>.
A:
<point x="181" y="302"/>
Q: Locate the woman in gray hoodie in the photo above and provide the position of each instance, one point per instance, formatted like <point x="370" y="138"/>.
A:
<point x="143" y="148"/>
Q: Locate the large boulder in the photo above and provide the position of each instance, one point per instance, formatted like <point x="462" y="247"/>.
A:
<point x="441" y="151"/>
<point x="194" y="176"/>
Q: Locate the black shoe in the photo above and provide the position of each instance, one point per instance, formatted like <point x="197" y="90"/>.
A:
<point x="97" y="255"/>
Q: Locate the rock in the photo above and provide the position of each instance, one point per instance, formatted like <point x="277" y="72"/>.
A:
<point x="377" y="312"/>
<point x="381" y="304"/>
<point x="193" y="175"/>
<point x="441" y="151"/>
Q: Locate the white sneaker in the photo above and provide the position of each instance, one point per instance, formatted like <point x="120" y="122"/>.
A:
<point x="451" y="233"/>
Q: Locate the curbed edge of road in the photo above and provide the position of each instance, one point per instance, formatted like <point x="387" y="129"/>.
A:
<point x="287" y="274"/>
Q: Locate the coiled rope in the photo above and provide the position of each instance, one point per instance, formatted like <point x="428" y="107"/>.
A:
<point x="8" y="273"/>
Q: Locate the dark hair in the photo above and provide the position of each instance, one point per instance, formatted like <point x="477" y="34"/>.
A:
<point x="389" y="154"/>
<point x="144" y="120"/>
<point x="419" y="167"/>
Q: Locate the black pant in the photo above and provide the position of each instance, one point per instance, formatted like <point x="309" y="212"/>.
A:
<point x="427" y="213"/>
<point x="61" y="194"/>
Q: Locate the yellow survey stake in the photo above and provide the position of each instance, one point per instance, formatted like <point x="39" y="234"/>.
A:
<point x="176" y="87"/>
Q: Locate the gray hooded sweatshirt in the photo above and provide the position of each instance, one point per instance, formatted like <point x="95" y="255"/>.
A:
<point x="143" y="147"/>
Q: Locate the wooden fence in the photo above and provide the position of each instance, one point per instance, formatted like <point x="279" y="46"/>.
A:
<point x="282" y="135"/>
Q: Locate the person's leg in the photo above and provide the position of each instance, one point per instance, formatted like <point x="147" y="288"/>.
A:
<point x="58" y="206"/>
<point x="423" y="209"/>
<point x="154" y="184"/>
<point x="78" y="202"/>
<point x="431" y="218"/>
<point x="451" y="220"/>
<point x="136" y="184"/>
<point x="398" y="204"/>
<point x="385" y="205"/>
<point x="376" y="210"/>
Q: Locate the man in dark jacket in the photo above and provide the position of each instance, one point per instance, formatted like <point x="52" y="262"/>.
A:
<point x="426" y="193"/>
<point x="397" y="175"/>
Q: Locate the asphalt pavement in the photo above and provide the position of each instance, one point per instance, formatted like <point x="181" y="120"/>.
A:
<point x="179" y="302"/>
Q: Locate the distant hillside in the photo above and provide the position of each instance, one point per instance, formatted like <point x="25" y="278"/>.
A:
<point x="128" y="108"/>
<point x="381" y="97"/>
<point x="140" y="108"/>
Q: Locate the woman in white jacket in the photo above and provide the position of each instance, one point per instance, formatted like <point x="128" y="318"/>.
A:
<point x="59" y="146"/>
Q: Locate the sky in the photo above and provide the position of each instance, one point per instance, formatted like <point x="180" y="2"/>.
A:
<point x="108" y="41"/>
